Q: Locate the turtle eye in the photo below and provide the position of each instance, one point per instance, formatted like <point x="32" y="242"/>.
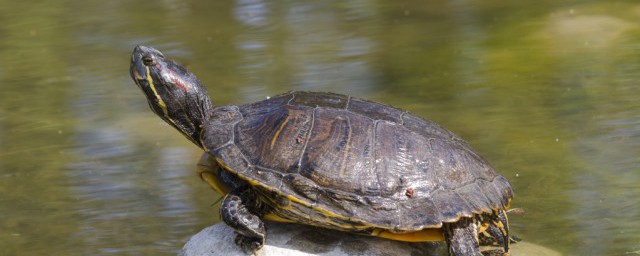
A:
<point x="147" y="60"/>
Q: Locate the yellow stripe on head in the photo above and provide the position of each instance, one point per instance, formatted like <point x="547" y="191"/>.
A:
<point x="161" y="103"/>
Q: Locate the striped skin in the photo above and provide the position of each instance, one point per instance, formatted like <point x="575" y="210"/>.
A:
<point x="334" y="161"/>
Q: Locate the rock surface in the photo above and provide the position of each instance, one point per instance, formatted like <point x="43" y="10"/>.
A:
<point x="292" y="239"/>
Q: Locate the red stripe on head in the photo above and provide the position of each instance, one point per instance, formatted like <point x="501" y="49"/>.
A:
<point x="178" y="81"/>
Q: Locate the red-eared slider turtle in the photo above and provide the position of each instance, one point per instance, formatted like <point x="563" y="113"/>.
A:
<point x="331" y="161"/>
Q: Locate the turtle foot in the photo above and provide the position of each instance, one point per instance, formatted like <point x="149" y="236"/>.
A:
<point x="248" y="244"/>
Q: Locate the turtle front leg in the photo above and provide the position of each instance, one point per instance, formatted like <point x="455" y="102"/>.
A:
<point x="240" y="211"/>
<point x="462" y="237"/>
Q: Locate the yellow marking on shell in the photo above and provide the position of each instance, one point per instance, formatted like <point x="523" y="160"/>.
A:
<point x="425" y="235"/>
<point x="251" y="182"/>
<point x="161" y="103"/>
<point x="276" y="218"/>
<point x="295" y="199"/>
<point x="346" y="151"/>
<point x="275" y="137"/>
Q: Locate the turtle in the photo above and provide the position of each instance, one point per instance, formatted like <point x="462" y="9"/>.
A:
<point x="331" y="161"/>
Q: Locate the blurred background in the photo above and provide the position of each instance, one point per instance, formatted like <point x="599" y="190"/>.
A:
<point x="547" y="91"/>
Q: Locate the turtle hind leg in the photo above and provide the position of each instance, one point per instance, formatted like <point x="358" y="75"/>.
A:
<point x="501" y="223"/>
<point x="462" y="237"/>
<point x="497" y="232"/>
<point x="240" y="211"/>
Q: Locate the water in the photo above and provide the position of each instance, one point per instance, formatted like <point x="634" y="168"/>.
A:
<point x="545" y="90"/>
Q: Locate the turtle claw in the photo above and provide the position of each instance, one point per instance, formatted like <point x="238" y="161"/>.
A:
<point x="248" y="244"/>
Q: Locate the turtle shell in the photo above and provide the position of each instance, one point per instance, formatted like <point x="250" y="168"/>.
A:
<point x="342" y="162"/>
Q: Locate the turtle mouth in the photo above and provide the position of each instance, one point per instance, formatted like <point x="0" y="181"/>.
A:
<point x="138" y="69"/>
<point x="137" y="74"/>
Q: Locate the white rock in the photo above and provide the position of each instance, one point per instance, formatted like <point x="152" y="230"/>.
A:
<point x="285" y="239"/>
<point x="298" y="240"/>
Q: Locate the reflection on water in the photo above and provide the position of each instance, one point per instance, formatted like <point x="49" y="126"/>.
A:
<point x="305" y="46"/>
<point x="546" y="91"/>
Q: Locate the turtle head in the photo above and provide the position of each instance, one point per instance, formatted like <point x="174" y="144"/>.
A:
<point x="173" y="93"/>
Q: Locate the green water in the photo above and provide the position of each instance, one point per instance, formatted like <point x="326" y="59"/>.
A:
<point x="547" y="91"/>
